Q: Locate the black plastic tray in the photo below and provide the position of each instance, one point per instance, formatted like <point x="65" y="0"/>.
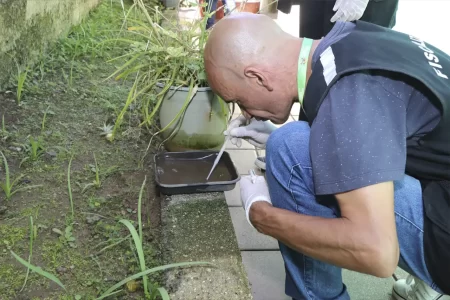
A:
<point x="195" y="187"/>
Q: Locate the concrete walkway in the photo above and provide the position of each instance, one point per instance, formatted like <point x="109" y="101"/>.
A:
<point x="423" y="18"/>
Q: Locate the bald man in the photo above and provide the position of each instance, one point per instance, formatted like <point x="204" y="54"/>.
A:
<point x="364" y="182"/>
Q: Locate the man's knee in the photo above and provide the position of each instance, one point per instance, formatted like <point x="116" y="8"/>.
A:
<point x="292" y="137"/>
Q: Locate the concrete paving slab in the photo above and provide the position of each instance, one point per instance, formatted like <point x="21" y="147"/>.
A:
<point x="266" y="274"/>
<point x="198" y="227"/>
<point x="244" y="160"/>
<point x="233" y="197"/>
<point x="363" y="287"/>
<point x="249" y="238"/>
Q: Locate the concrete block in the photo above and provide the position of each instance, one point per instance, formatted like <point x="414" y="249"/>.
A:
<point x="244" y="160"/>
<point x="198" y="227"/>
<point x="248" y="238"/>
<point x="266" y="274"/>
<point x="363" y="287"/>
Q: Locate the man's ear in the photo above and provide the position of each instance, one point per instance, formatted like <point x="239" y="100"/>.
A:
<point x="261" y="79"/>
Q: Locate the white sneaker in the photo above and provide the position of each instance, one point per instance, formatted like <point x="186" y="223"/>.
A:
<point x="413" y="288"/>
<point x="260" y="162"/>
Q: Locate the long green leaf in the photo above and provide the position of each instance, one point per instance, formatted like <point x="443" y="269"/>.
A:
<point x="38" y="270"/>
<point x="140" y="208"/>
<point x="140" y="251"/>
<point x="164" y="294"/>
<point x="31" y="252"/>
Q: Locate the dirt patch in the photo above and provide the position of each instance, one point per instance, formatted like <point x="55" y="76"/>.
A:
<point x="62" y="117"/>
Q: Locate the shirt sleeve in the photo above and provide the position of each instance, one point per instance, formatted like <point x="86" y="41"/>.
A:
<point x="359" y="135"/>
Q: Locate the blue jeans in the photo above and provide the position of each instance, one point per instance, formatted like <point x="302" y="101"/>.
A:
<point x="291" y="186"/>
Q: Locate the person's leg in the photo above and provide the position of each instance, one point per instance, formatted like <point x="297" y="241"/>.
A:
<point x="291" y="186"/>
<point x="311" y="18"/>
<point x="381" y="12"/>
<point x="212" y="6"/>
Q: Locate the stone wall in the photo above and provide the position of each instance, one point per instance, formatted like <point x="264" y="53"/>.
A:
<point x="27" y="26"/>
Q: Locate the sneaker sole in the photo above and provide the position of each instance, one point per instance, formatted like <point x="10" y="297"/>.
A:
<point x="397" y="296"/>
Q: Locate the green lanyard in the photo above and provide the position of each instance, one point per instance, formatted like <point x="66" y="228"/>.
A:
<point x="302" y="67"/>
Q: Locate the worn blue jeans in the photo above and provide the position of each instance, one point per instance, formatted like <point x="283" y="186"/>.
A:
<point x="291" y="186"/>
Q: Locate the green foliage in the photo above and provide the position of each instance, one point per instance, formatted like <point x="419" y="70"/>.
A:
<point x="8" y="185"/>
<point x="161" y="57"/>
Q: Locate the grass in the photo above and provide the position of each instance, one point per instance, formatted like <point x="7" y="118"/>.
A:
<point x="151" y="292"/>
<point x="8" y="186"/>
<point x="61" y="117"/>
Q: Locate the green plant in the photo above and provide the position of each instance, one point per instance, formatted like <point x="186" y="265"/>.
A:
<point x="34" y="149"/>
<point x="21" y="78"/>
<point x="96" y="183"/>
<point x="151" y="291"/>
<point x="161" y="58"/>
<point x="38" y="270"/>
<point x="8" y="185"/>
<point x="32" y="237"/>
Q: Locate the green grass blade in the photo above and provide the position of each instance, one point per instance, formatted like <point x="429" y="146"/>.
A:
<point x="69" y="187"/>
<point x="140" y="208"/>
<point x="164" y="294"/>
<point x="7" y="179"/>
<point x="31" y="252"/>
<point x="25" y="188"/>
<point x="140" y="251"/>
<point x="149" y="271"/>
<point x="38" y="270"/>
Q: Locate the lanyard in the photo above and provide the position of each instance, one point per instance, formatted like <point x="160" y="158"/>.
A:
<point x="302" y="67"/>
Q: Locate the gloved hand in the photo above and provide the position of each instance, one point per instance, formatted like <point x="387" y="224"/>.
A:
<point x="252" y="192"/>
<point x="349" y="10"/>
<point x="256" y="133"/>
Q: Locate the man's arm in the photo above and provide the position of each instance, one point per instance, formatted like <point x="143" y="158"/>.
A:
<point x="364" y="239"/>
<point x="358" y="148"/>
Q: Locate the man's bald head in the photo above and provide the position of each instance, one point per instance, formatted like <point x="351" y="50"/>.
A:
<point x="247" y="60"/>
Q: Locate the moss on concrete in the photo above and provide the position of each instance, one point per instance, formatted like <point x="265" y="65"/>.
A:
<point x="198" y="227"/>
<point x="26" y="30"/>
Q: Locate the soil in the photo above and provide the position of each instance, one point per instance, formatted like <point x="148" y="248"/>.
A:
<point x="88" y="250"/>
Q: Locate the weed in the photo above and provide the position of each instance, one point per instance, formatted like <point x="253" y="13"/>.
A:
<point x="8" y="185"/>
<point x="38" y="270"/>
<point x="96" y="183"/>
<point x="34" y="149"/>
<point x="21" y="78"/>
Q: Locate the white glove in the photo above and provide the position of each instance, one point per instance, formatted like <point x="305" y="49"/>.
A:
<point x="256" y="133"/>
<point x="235" y="123"/>
<point x="349" y="10"/>
<point x="252" y="192"/>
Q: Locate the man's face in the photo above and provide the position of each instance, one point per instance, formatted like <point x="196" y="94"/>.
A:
<point x="254" y="98"/>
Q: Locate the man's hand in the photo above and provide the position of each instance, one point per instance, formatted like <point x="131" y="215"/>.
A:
<point x="256" y="133"/>
<point x="349" y="10"/>
<point x="253" y="192"/>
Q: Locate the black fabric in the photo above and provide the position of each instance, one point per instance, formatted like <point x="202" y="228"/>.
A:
<point x="437" y="229"/>
<point x="372" y="47"/>
<point x="315" y="15"/>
